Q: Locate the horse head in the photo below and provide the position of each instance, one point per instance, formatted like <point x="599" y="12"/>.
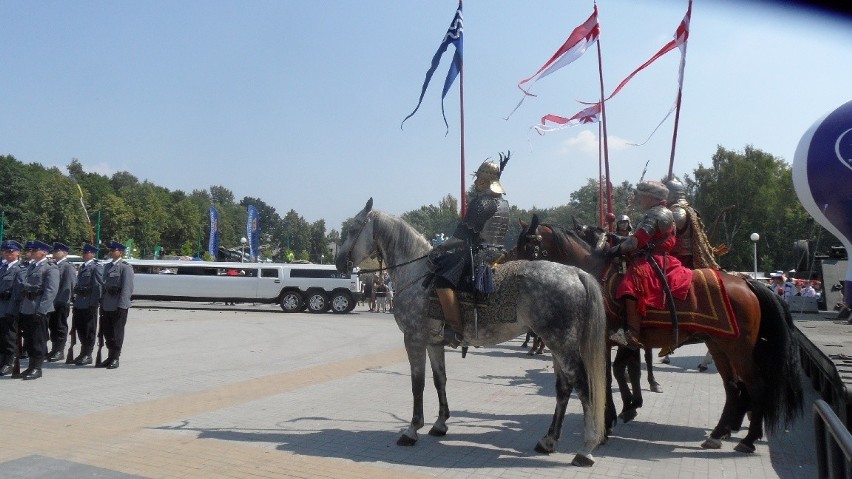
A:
<point x="359" y="244"/>
<point x="594" y="236"/>
<point x="529" y="245"/>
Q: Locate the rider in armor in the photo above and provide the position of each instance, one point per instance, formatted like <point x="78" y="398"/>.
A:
<point x="482" y="230"/>
<point x="654" y="237"/>
<point x="693" y="248"/>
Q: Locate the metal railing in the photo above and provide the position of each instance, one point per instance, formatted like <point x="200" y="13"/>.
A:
<point x="833" y="443"/>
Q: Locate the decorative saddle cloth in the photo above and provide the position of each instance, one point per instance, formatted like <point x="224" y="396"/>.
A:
<point x="496" y="307"/>
<point x="706" y="309"/>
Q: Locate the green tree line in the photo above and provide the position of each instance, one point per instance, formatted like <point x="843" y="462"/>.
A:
<point x="737" y="193"/>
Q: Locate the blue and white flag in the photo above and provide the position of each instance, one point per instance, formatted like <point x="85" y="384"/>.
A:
<point x="253" y="232"/>
<point x="213" y="245"/>
<point x="454" y="36"/>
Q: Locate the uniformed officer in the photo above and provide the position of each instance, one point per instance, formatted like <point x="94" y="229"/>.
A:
<point x="87" y="298"/>
<point x="11" y="285"/>
<point x="58" y="321"/>
<point x="118" y="287"/>
<point x="40" y="287"/>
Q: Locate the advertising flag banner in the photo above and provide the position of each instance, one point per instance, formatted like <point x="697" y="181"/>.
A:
<point x="213" y="245"/>
<point x="253" y="232"/>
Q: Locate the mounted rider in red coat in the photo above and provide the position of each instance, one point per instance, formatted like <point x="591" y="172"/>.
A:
<point x="654" y="237"/>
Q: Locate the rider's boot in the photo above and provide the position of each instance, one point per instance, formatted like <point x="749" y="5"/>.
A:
<point x="628" y="335"/>
<point x="634" y="324"/>
<point x="452" y="316"/>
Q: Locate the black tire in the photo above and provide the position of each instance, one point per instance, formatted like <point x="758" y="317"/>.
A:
<point x="342" y="302"/>
<point x="317" y="302"/>
<point x="292" y="302"/>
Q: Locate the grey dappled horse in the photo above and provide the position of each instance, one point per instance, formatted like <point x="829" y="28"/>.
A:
<point x="561" y="304"/>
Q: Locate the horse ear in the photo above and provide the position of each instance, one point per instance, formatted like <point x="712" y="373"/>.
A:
<point x="577" y="225"/>
<point x="534" y="223"/>
<point x="522" y="223"/>
<point x="369" y="205"/>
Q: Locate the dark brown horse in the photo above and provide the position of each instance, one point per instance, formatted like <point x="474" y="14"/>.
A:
<point x="759" y="366"/>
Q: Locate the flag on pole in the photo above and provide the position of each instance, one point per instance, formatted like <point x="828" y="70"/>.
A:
<point x="574" y="47"/>
<point x="591" y="114"/>
<point x="213" y="244"/>
<point x="454" y="36"/>
<point x="680" y="38"/>
<point x="253" y="233"/>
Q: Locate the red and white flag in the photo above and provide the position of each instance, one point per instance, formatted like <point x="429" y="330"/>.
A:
<point x="590" y="114"/>
<point x="681" y="36"/>
<point x="574" y="47"/>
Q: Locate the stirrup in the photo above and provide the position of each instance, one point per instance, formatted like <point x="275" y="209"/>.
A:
<point x="619" y="337"/>
<point x="452" y="338"/>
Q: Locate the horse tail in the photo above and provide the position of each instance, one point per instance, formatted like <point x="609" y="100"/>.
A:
<point x="593" y="350"/>
<point x="776" y="357"/>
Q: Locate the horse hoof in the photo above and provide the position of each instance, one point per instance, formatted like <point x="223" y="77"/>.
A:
<point x="545" y="445"/>
<point x="405" y="441"/>
<point x="711" y="443"/>
<point x="582" y="461"/>
<point x="437" y="432"/>
<point x="743" y="447"/>
<point x="629" y="415"/>
<point x="655" y="388"/>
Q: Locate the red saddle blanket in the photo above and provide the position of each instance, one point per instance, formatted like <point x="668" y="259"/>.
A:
<point x="706" y="308"/>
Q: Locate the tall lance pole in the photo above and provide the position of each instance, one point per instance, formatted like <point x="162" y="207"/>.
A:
<point x="463" y="195"/>
<point x="609" y="214"/>
<point x="679" y="95"/>
<point x="601" y="200"/>
<point x="88" y="220"/>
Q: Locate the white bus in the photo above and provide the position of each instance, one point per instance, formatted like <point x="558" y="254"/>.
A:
<point x="317" y="287"/>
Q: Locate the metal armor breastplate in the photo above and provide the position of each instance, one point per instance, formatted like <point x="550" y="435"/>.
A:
<point x="495" y="228"/>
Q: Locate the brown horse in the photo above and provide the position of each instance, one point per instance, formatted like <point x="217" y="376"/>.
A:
<point x="759" y="366"/>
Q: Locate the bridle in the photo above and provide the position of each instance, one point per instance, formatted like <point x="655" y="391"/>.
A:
<point x="374" y="253"/>
<point x="533" y="248"/>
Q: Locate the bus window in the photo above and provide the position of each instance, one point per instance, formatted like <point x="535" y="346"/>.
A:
<point x="269" y="272"/>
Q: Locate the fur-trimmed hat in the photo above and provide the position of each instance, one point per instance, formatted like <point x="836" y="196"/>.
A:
<point x="654" y="189"/>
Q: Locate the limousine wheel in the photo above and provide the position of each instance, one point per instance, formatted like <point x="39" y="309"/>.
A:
<point x="317" y="302"/>
<point x="341" y="303"/>
<point x="291" y="302"/>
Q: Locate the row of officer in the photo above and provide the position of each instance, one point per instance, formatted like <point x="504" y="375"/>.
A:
<point x="37" y="296"/>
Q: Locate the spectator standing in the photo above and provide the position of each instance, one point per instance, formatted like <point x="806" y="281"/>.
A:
<point x="381" y="296"/>
<point x="368" y="290"/>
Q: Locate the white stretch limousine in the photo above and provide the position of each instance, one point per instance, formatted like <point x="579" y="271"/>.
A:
<point x="317" y="287"/>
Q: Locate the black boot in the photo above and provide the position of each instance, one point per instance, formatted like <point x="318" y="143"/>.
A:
<point x="113" y="364"/>
<point x="56" y="355"/>
<point x="32" y="372"/>
<point x="83" y="359"/>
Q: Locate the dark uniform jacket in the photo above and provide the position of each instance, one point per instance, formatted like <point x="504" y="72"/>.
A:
<point x="90" y="282"/>
<point x="40" y="287"/>
<point x="118" y="285"/>
<point x="67" y="280"/>
<point x="11" y="285"/>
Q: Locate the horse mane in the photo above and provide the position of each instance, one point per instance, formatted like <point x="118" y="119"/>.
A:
<point x="401" y="237"/>
<point x="561" y="240"/>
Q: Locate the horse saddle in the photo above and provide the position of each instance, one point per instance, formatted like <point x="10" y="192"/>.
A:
<point x="480" y="309"/>
<point x="706" y="308"/>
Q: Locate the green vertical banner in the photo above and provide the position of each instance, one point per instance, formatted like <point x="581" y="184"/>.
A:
<point x="129" y="245"/>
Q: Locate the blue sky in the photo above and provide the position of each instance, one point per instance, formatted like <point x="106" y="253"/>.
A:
<point x="300" y="103"/>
